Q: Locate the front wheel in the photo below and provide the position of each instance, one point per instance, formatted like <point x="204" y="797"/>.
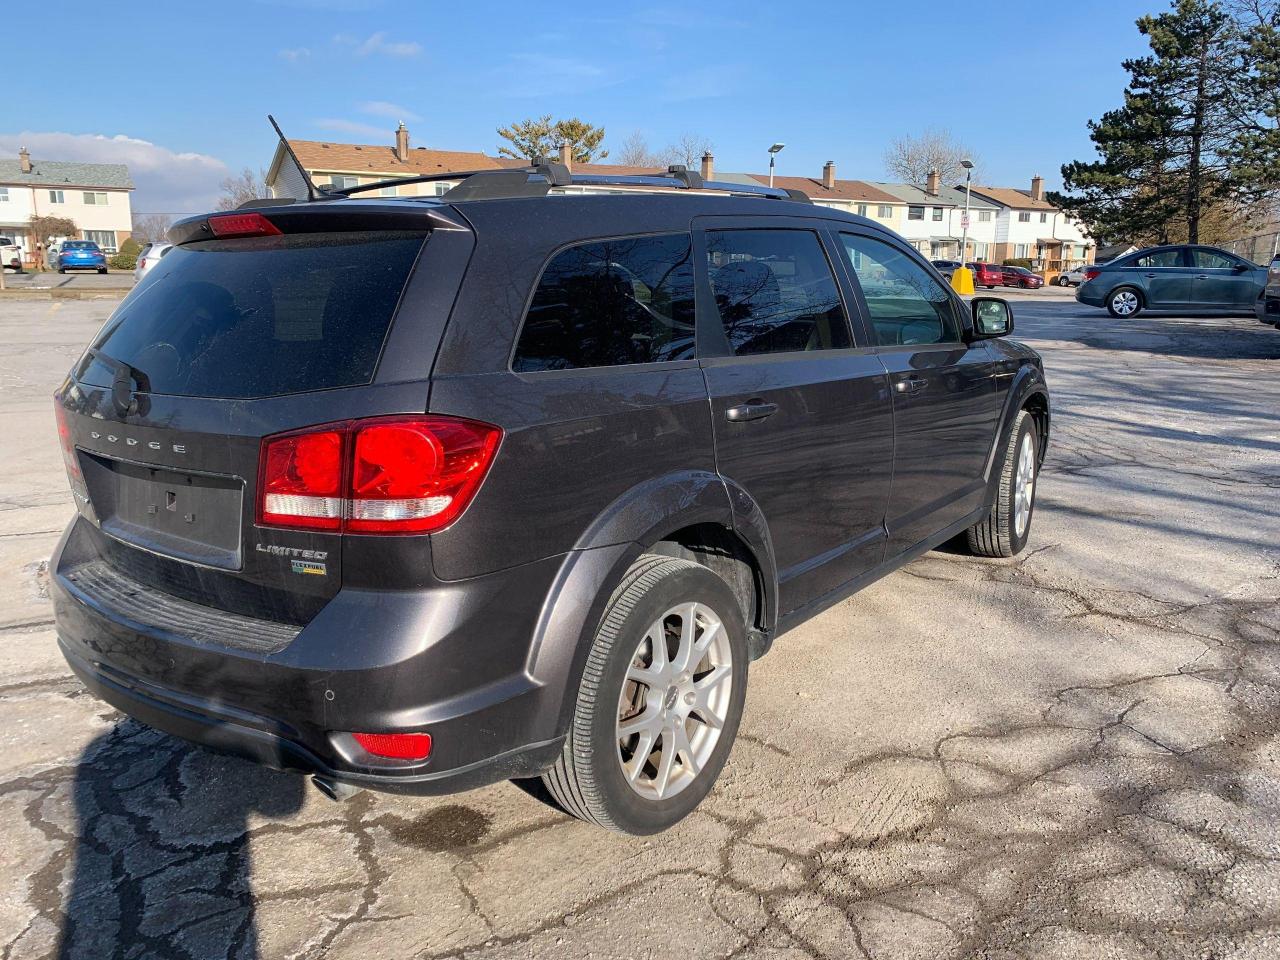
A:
<point x="102" y="269"/>
<point x="1005" y="530"/>
<point x="1124" y="302"/>
<point x="660" y="700"/>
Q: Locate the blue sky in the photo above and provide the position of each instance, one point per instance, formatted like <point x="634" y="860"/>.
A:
<point x="181" y="89"/>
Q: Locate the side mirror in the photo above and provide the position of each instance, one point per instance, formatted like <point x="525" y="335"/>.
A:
<point x="1239" y="267"/>
<point x="992" y="317"/>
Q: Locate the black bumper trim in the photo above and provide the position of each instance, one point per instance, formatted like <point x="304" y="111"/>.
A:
<point x="242" y="734"/>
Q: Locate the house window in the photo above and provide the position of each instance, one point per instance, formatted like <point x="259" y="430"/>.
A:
<point x="862" y="209"/>
<point x="915" y="213"/>
<point x="389" y="192"/>
<point x="1021" y="251"/>
<point x="937" y="213"/>
<point x="980" y="252"/>
<point x="1024" y="216"/>
<point x="984" y="216"/>
<point x="443" y="188"/>
<point x="106" y="239"/>
<point x="57" y="196"/>
<point x="1044" y="218"/>
<point x="344" y="183"/>
<point x="884" y="211"/>
<point x="4" y="194"/>
<point x="95" y="198"/>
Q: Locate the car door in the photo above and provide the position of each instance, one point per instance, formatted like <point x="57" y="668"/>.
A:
<point x="801" y="409"/>
<point x="1164" y="276"/>
<point x="1222" y="281"/>
<point x="945" y="403"/>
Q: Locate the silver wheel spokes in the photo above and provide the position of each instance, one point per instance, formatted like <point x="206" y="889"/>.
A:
<point x="675" y="701"/>
<point x="1125" y="303"/>
<point x="1024" y="486"/>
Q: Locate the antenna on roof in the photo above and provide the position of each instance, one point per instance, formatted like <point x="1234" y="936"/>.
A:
<point x="312" y="192"/>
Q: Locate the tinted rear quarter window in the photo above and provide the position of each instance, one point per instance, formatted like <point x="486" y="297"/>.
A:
<point x="611" y="303"/>
<point x="260" y="317"/>
<point x="775" y="291"/>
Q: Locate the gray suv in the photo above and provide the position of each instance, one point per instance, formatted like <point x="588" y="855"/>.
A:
<point x="420" y="494"/>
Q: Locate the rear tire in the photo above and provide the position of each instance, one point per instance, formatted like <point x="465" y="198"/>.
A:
<point x="1124" y="302"/>
<point x="1005" y="530"/>
<point x="691" y="694"/>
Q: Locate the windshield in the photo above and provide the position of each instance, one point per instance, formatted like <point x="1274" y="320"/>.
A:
<point x="259" y="317"/>
<point x="79" y="245"/>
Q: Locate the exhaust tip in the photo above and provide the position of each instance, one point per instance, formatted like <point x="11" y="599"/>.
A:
<point x="335" y="790"/>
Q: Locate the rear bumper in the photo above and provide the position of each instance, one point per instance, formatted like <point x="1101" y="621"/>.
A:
<point x="1087" y="293"/>
<point x="1268" y="310"/>
<point x="450" y="660"/>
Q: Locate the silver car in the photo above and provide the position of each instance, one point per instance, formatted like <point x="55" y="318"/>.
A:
<point x="148" y="257"/>
<point x="1073" y="277"/>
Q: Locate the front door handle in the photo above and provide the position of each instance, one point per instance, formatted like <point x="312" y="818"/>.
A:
<point x="1203" y="276"/>
<point x="1151" y="276"/>
<point x="911" y="385"/>
<point x="754" y="409"/>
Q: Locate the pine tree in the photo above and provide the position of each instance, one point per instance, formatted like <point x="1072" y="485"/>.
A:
<point x="1169" y="152"/>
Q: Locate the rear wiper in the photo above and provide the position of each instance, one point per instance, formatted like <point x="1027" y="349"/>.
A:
<point x="125" y="376"/>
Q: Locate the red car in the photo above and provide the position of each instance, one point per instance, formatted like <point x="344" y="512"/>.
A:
<point x="1021" y="277"/>
<point x="987" y="275"/>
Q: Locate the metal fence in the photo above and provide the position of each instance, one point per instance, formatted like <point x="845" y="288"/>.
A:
<point x="1258" y="247"/>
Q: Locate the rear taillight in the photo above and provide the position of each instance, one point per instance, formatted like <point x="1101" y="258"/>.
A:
<point x="395" y="746"/>
<point x="1091" y="272"/>
<point x="66" y="442"/>
<point x="242" y="225"/>
<point x="411" y="474"/>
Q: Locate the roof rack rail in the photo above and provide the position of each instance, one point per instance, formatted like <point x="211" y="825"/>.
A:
<point x="691" y="180"/>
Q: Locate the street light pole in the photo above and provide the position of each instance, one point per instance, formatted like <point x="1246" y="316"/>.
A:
<point x="773" y="152"/>
<point x="964" y="224"/>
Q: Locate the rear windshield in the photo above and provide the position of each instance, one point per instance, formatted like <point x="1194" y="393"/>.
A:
<point x="79" y="245"/>
<point x="259" y="317"/>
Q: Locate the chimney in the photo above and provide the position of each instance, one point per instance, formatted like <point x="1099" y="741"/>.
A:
<point x="402" y="143"/>
<point x="829" y="175"/>
<point x="1037" y="187"/>
<point x="708" y="166"/>
<point x="566" y="155"/>
<point x="935" y="183"/>
<point x="24" y="160"/>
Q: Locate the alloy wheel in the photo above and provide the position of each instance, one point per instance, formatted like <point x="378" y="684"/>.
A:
<point x="675" y="701"/>
<point x="1024" y="487"/>
<point x="1125" y="302"/>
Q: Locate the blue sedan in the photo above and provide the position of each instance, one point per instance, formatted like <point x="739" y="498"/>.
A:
<point x="1182" y="277"/>
<point x="80" y="255"/>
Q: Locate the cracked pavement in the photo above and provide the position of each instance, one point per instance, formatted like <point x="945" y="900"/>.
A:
<point x="1073" y="754"/>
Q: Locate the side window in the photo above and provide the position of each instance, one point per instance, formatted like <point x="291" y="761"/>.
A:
<point x="775" y="291"/>
<point x="1161" y="258"/>
<point x="611" y="303"/>
<point x="906" y="304"/>
<point x="1211" y="260"/>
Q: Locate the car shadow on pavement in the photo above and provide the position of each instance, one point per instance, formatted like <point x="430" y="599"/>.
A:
<point x="160" y="855"/>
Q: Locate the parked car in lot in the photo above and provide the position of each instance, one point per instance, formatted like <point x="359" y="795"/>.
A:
<point x="989" y="275"/>
<point x="1073" y="277"/>
<point x="79" y="255"/>
<point x="1021" y="277"/>
<point x="946" y="267"/>
<point x="421" y="494"/>
<point x="10" y="254"/>
<point x="1181" y="277"/>
<point x="1269" y="303"/>
<point x="150" y="255"/>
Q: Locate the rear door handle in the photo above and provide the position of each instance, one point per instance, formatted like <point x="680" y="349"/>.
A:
<point x="753" y="409"/>
<point x="1203" y="276"/>
<point x="1151" y="276"/>
<point x="911" y="385"/>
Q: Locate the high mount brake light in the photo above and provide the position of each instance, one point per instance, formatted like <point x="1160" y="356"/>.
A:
<point x="242" y="225"/>
<point x="385" y="475"/>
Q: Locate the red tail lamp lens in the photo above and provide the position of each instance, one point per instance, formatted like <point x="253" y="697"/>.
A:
<point x="416" y="474"/>
<point x="396" y="746"/>
<point x="301" y="477"/>
<point x="242" y="225"/>
<point x="66" y="442"/>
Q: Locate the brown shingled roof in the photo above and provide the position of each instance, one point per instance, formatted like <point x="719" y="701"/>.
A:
<point x="855" y="191"/>
<point x="1009" y="197"/>
<point x="362" y="158"/>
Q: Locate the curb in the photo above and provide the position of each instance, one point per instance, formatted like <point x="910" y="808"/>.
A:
<point x="56" y="293"/>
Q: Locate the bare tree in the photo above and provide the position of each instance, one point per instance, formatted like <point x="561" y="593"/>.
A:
<point x="635" y="152"/>
<point x="239" y="189"/>
<point x="911" y="159"/>
<point x="687" y="149"/>
<point x="151" y="227"/>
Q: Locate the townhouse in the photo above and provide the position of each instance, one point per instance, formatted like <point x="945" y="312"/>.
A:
<point x="94" y="196"/>
<point x="930" y="215"/>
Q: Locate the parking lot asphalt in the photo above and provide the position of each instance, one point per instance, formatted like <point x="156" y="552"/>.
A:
<point x="1072" y="754"/>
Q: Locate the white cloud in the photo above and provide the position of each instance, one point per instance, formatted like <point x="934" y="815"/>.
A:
<point x="377" y="43"/>
<point x="167" y="181"/>
<point x="541" y="75"/>
<point x="350" y="126"/>
<point x="296" y="54"/>
<point x="392" y="111"/>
